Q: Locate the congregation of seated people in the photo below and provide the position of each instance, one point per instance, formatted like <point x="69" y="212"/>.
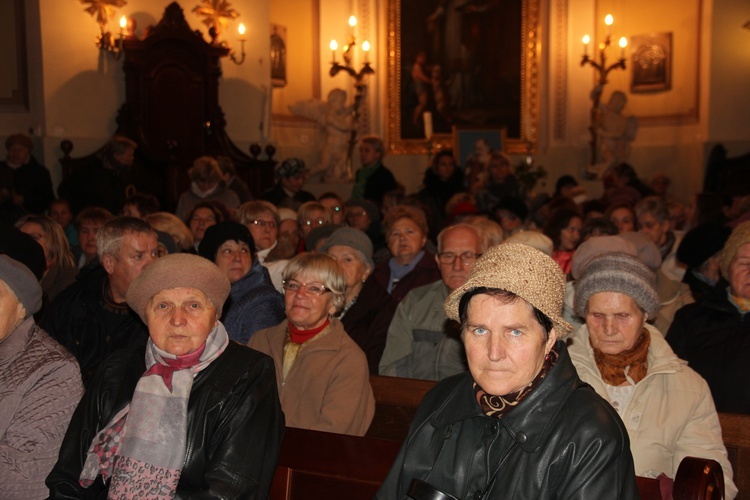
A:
<point x="278" y="310"/>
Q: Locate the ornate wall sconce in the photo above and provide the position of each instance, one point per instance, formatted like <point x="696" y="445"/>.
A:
<point x="103" y="11"/>
<point x="602" y="71"/>
<point x="242" y="39"/>
<point x="360" y="85"/>
<point x="216" y="15"/>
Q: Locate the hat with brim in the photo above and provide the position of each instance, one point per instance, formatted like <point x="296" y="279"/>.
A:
<point x="180" y="270"/>
<point x="522" y="270"/>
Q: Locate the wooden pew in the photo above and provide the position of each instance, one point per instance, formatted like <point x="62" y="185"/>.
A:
<point x="396" y="401"/>
<point x="315" y="464"/>
<point x="320" y="465"/>
<point x="735" y="430"/>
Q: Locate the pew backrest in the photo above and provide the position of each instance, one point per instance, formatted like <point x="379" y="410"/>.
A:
<point x="735" y="431"/>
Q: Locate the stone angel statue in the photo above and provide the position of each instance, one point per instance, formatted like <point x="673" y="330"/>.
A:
<point x="615" y="132"/>
<point x="337" y="120"/>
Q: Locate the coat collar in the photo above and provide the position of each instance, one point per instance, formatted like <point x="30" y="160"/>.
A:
<point x="530" y="423"/>
<point x="661" y="358"/>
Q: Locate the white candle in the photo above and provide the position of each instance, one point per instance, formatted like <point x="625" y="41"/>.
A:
<point x="333" y="46"/>
<point x="427" y="118"/>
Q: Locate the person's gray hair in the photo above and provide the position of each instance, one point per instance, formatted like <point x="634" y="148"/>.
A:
<point x="109" y="237"/>
<point x="321" y="267"/>
<point x="376" y="143"/>
<point x="251" y="210"/>
<point x="652" y="205"/>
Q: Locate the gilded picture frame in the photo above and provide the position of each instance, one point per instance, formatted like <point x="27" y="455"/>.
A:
<point x="440" y="65"/>
<point x="466" y="137"/>
<point x="651" y="63"/>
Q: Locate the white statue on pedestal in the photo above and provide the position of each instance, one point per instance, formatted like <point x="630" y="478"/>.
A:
<point x="337" y="120"/>
<point x="615" y="131"/>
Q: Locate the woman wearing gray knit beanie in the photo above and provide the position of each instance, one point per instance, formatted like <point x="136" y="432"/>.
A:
<point x="666" y="406"/>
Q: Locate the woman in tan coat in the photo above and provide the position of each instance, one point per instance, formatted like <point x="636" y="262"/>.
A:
<point x="321" y="373"/>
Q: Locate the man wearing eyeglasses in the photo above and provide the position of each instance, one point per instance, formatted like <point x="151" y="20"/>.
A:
<point x="422" y="343"/>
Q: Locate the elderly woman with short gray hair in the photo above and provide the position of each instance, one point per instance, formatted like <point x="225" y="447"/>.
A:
<point x="666" y="407"/>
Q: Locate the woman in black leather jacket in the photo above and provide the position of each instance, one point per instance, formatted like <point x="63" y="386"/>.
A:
<point x="194" y="416"/>
<point x="520" y="423"/>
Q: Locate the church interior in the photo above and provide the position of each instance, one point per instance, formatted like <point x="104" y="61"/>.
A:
<point x="568" y="94"/>
<point x="59" y="86"/>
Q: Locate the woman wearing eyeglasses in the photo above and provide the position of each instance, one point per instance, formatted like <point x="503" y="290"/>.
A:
<point x="321" y="373"/>
<point x="262" y="219"/>
<point x="311" y="215"/>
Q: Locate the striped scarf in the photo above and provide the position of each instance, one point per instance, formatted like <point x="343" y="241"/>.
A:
<point x="143" y="447"/>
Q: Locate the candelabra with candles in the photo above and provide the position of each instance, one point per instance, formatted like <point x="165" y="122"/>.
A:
<point x="360" y="86"/>
<point x="602" y="71"/>
<point x="107" y="42"/>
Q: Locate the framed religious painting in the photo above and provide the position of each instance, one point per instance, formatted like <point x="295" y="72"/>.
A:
<point x="278" y="55"/>
<point x="470" y="142"/>
<point x="652" y="62"/>
<point x="467" y="65"/>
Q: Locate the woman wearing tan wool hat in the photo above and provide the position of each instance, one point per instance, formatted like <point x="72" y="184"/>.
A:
<point x="520" y="423"/>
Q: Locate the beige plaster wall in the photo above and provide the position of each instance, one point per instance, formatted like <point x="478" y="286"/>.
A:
<point x="300" y="17"/>
<point x="83" y="89"/>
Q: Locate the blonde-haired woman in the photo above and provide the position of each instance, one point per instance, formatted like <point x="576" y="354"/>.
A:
<point x="61" y="269"/>
<point x="321" y="373"/>
<point x="174" y="227"/>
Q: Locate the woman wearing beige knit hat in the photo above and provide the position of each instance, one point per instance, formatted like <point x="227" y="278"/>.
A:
<point x="178" y="413"/>
<point x="713" y="335"/>
<point x="666" y="406"/>
<point x="519" y="423"/>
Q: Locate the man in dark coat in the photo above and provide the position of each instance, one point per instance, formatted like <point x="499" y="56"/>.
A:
<point x="32" y="185"/>
<point x="91" y="318"/>
<point x="373" y="179"/>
